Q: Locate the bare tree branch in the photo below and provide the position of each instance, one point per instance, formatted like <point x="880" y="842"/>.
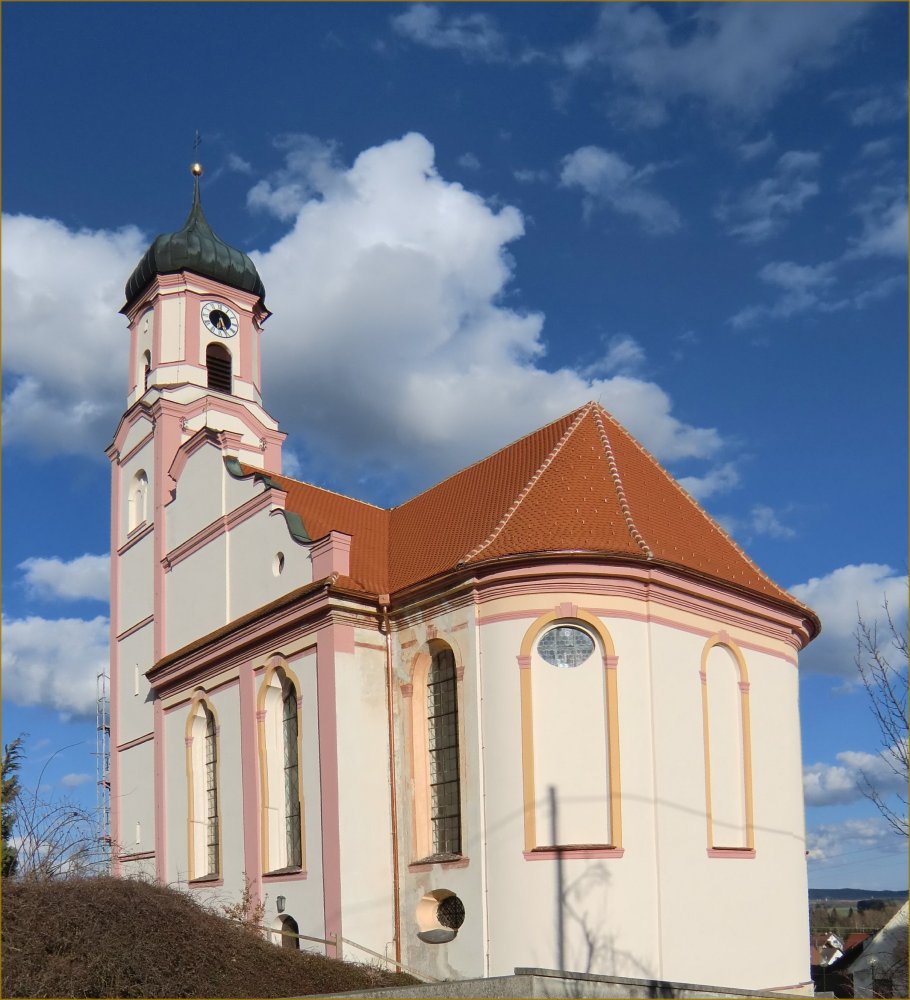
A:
<point x="882" y="665"/>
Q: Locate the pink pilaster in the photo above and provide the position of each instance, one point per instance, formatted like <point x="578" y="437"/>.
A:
<point x="252" y="856"/>
<point x="160" y="798"/>
<point x="330" y="640"/>
<point x="114" y="669"/>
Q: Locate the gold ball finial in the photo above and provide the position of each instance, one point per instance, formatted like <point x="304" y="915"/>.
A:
<point x="196" y="169"/>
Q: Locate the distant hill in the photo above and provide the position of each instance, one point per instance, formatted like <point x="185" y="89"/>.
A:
<point x="819" y="894"/>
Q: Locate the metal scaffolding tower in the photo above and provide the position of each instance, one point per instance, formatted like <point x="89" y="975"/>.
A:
<point x="103" y="765"/>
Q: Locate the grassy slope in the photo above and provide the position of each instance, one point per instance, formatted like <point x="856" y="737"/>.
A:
<point x="110" y="937"/>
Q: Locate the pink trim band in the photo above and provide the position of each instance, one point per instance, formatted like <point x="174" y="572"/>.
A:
<point x="568" y="853"/>
<point x="283" y="877"/>
<point x="135" y="628"/>
<point x="744" y="853"/>
<point x="140" y="856"/>
<point x="136" y="742"/>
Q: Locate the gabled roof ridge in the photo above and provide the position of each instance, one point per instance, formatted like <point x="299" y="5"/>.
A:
<point x="504" y="520"/>
<point x="701" y="510"/>
<point x="486" y="458"/>
<point x="313" y="486"/>
<point x="617" y="483"/>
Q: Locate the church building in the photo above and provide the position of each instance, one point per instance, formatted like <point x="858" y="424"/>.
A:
<point x="544" y="714"/>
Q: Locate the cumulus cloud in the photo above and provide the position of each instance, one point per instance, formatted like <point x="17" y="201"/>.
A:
<point x="869" y="106"/>
<point x="737" y="57"/>
<point x="842" y="783"/>
<point x="720" y="479"/>
<point x="54" y="662"/>
<point x="764" y="521"/>
<point x="406" y="349"/>
<point x="61" y="328"/>
<point x="830" y="842"/>
<point x="87" y="576"/>
<point x="473" y="35"/>
<point x="836" y="598"/>
<point x="608" y="181"/>
<point x="394" y="353"/>
<point x="762" y="211"/>
<point x="469" y="161"/>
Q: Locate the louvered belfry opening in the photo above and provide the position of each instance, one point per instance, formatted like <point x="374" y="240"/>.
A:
<point x="218" y="365"/>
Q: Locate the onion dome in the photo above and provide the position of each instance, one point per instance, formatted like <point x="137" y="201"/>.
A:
<point x="195" y="247"/>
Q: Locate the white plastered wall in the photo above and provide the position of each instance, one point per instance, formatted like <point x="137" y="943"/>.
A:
<point x="196" y="595"/>
<point x="610" y="903"/>
<point x="254" y="549"/>
<point x="136" y="804"/>
<point x="134" y="699"/>
<point x="136" y="583"/>
<point x="199" y="498"/>
<point x="735" y="900"/>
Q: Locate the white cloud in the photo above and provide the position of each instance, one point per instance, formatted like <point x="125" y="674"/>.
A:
<point x="74" y="780"/>
<point x="528" y="176"/>
<point x="405" y="363"/>
<point x="839" y="784"/>
<point x="609" y="181"/>
<point x="737" y="57"/>
<point x="87" y="576"/>
<point x="238" y="165"/>
<point x="884" y="225"/>
<point x="403" y="274"/>
<point x="835" y="598"/>
<point x="764" y="521"/>
<point x="310" y="166"/>
<point x="875" y="105"/>
<point x="54" y="662"/>
<point x="469" y="161"/>
<point x="720" y="479"/>
<point x="624" y="355"/>
<point x="61" y="293"/>
<point x="831" y="842"/>
<point x="473" y="35"/>
<point x="762" y="210"/>
<point x="752" y="150"/>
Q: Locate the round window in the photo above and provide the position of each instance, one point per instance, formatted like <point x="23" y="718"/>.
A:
<point x="566" y="646"/>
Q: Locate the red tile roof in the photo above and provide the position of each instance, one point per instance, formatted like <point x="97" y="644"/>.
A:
<point x="581" y="483"/>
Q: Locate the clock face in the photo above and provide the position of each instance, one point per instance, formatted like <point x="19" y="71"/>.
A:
<point x="220" y="319"/>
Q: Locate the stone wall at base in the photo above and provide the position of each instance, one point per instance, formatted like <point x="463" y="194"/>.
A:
<point x="547" y="983"/>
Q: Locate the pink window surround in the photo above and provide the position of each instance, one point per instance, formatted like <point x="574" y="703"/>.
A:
<point x="421" y="866"/>
<point x="568" y="853"/>
<point x="743" y="853"/>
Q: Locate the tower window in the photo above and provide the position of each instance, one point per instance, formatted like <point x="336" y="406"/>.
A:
<point x="218" y="366"/>
<point x="146" y="369"/>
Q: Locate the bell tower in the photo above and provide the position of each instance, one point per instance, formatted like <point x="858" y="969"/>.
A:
<point x="195" y="308"/>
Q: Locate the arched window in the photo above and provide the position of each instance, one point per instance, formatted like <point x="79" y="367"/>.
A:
<point x="728" y="755"/>
<point x="137" y="502"/>
<point x="218" y="366"/>
<point x="146" y="369"/>
<point x="279" y="736"/>
<point x="443" y="752"/>
<point x="290" y="740"/>
<point x="204" y="817"/>
<point x="570" y="737"/>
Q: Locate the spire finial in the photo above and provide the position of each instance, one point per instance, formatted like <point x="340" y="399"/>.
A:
<point x="196" y="167"/>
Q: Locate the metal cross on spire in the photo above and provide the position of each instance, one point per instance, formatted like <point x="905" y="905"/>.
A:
<point x="196" y="168"/>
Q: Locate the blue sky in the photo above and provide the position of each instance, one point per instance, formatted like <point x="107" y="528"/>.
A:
<point x="470" y="219"/>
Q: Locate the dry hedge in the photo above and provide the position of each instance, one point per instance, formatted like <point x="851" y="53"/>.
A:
<point x="106" y="937"/>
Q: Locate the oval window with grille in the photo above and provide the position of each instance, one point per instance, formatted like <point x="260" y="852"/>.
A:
<point x="565" y="646"/>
